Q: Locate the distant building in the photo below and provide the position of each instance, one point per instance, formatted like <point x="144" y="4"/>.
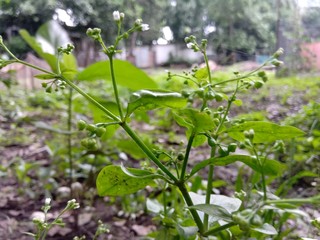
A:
<point x="311" y="54"/>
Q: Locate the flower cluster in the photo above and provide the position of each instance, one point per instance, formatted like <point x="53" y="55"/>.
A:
<point x="117" y="16"/>
<point x="94" y="33"/>
<point x="191" y="42"/>
<point x="67" y="50"/>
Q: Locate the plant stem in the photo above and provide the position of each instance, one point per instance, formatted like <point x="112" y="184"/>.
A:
<point x="218" y="229"/>
<point x="115" y="88"/>
<point x="241" y="77"/>
<point x="90" y="99"/>
<point x="263" y="178"/>
<point x="186" y="157"/>
<point x="209" y="189"/>
<point x="147" y="151"/>
<point x="69" y="127"/>
<point x="207" y="64"/>
<point x="194" y="213"/>
<point x="35" y="67"/>
<point x="311" y="200"/>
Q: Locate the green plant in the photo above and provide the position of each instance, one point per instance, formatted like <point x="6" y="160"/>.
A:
<point x="43" y="225"/>
<point x="203" y="109"/>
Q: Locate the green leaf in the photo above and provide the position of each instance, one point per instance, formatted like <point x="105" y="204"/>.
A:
<point x="45" y="76"/>
<point x="238" y="102"/>
<point x="271" y="167"/>
<point x="198" y="122"/>
<point x="112" y="181"/>
<point x="127" y="75"/>
<point x="52" y="35"/>
<point x="154" y="206"/>
<point x="201" y="74"/>
<point x="228" y="203"/>
<point x="140" y="173"/>
<point x="151" y="99"/>
<point x="48" y="38"/>
<point x="266" y="229"/>
<point x="264" y="132"/>
<point x="49" y="58"/>
<point x="186" y="232"/>
<point x="215" y="211"/>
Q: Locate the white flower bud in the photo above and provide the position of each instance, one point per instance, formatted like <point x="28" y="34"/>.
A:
<point x="190" y="45"/>
<point x="116" y="16"/>
<point x="47" y="201"/>
<point x="37" y="216"/>
<point x="138" y="22"/>
<point x="122" y="15"/>
<point x="145" y="27"/>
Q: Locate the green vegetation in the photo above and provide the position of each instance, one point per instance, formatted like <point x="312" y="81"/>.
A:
<point x="172" y="142"/>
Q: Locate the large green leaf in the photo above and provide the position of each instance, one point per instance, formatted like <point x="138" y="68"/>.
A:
<point x="266" y="229"/>
<point x="229" y="204"/>
<point x="271" y="167"/>
<point x="196" y="122"/>
<point x="264" y="132"/>
<point x="48" y="38"/>
<point x="112" y="181"/>
<point x="49" y="58"/>
<point x="151" y="99"/>
<point x="214" y="211"/>
<point x="127" y="75"/>
<point x="52" y="35"/>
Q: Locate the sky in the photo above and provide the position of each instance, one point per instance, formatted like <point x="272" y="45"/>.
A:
<point x="309" y="3"/>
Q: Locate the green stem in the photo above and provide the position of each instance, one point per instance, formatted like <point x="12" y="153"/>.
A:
<point x="35" y="67"/>
<point x="147" y="151"/>
<point x="115" y="88"/>
<point x="311" y="200"/>
<point x="90" y="99"/>
<point x="218" y="229"/>
<point x="241" y="77"/>
<point x="207" y="65"/>
<point x="263" y="178"/>
<point x="69" y="136"/>
<point x="186" y="157"/>
<point x="209" y="189"/>
<point x="194" y="213"/>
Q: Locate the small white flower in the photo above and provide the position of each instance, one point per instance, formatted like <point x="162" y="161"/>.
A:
<point x="138" y="21"/>
<point x="47" y="201"/>
<point x="38" y="216"/>
<point x="190" y="45"/>
<point x="116" y="16"/>
<point x="145" y="27"/>
<point x="122" y="15"/>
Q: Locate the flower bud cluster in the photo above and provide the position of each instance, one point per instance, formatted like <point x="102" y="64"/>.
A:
<point x="94" y="33"/>
<point x="93" y="131"/>
<point x="67" y="50"/>
<point x="117" y="16"/>
<point x="91" y="128"/>
<point x="141" y="26"/>
<point x="249" y="134"/>
<point x="222" y="150"/>
<point x="279" y="146"/>
<point x="4" y="63"/>
<point x="275" y="61"/>
<point x="72" y="204"/>
<point x="316" y="222"/>
<point x="191" y="42"/>
<point x="56" y="84"/>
